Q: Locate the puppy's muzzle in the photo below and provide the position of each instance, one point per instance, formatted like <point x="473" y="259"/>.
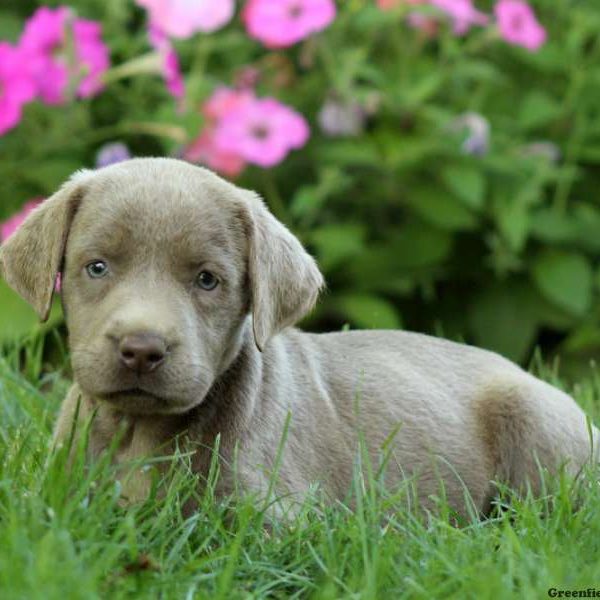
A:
<point x="142" y="352"/>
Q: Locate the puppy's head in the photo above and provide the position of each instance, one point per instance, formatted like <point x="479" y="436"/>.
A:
<point x="162" y="263"/>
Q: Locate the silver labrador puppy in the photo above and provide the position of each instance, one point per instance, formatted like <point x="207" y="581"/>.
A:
<point x="179" y="291"/>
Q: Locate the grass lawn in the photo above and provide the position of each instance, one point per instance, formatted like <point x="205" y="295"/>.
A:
<point x="64" y="535"/>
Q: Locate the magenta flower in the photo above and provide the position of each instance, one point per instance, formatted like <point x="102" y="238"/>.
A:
<point x="261" y="131"/>
<point x="8" y="227"/>
<point x="204" y="149"/>
<point x="282" y="23"/>
<point x="172" y="74"/>
<point x="92" y="55"/>
<point x="45" y="43"/>
<point x="171" y="71"/>
<point x="183" y="18"/>
<point x="518" y="24"/>
<point x="462" y="13"/>
<point x="16" y="86"/>
<point x="225" y="101"/>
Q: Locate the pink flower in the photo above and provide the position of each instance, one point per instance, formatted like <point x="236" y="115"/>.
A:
<point x="281" y="23"/>
<point x="172" y="74"/>
<point x="16" y="86"/>
<point x="45" y="43"/>
<point x="183" y="18"/>
<point x="462" y="13"/>
<point x="204" y="149"/>
<point x="92" y="55"/>
<point x="518" y="24"/>
<point x="170" y="62"/>
<point x="13" y="223"/>
<point x="225" y="101"/>
<point x="261" y="131"/>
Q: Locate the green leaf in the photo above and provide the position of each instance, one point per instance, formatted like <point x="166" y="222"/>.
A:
<point x="51" y="173"/>
<point x="305" y="201"/>
<point x="467" y="183"/>
<point x="343" y="152"/>
<point x="549" y="226"/>
<point x="441" y="209"/>
<point x="407" y="152"/>
<point x="512" y="218"/>
<point x="479" y="70"/>
<point x="587" y="218"/>
<point x="10" y="26"/>
<point x="503" y="318"/>
<point x="564" y="278"/>
<point x="538" y="109"/>
<point x="579" y="227"/>
<point x="366" y="311"/>
<point x="393" y="265"/>
<point x="308" y="199"/>
<point x="583" y="339"/>
<point x="421" y="90"/>
<point x="337" y="243"/>
<point x="418" y="245"/>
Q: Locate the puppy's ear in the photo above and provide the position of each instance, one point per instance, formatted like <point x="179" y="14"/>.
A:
<point x="31" y="258"/>
<point x="284" y="279"/>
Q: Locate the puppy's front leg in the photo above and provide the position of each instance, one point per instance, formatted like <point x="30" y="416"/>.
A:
<point x="74" y="413"/>
<point x="77" y="413"/>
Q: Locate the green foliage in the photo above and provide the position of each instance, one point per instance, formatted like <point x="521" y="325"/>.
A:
<point x="501" y="249"/>
<point x="64" y="534"/>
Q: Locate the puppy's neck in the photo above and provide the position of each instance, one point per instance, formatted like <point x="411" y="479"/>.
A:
<point x="231" y="400"/>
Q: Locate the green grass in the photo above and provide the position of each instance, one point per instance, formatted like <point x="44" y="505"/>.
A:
<point x="64" y="535"/>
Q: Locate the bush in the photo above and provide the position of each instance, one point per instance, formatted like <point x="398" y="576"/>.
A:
<point x="449" y="182"/>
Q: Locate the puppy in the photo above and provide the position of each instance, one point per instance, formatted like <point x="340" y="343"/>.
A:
<point x="180" y="290"/>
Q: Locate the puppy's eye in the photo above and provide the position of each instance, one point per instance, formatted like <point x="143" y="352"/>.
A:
<point x="207" y="281"/>
<point x="97" y="269"/>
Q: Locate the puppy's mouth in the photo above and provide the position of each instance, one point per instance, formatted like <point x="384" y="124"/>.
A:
<point x="139" y="401"/>
<point x="134" y="392"/>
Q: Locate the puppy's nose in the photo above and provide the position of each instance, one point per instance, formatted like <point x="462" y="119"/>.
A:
<point x="142" y="352"/>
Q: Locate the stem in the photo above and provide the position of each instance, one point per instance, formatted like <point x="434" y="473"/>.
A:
<point x="172" y="132"/>
<point x="563" y="188"/>
<point x="146" y="63"/>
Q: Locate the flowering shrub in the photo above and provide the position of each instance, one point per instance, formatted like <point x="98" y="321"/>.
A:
<point x="439" y="157"/>
<point x="48" y="38"/>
